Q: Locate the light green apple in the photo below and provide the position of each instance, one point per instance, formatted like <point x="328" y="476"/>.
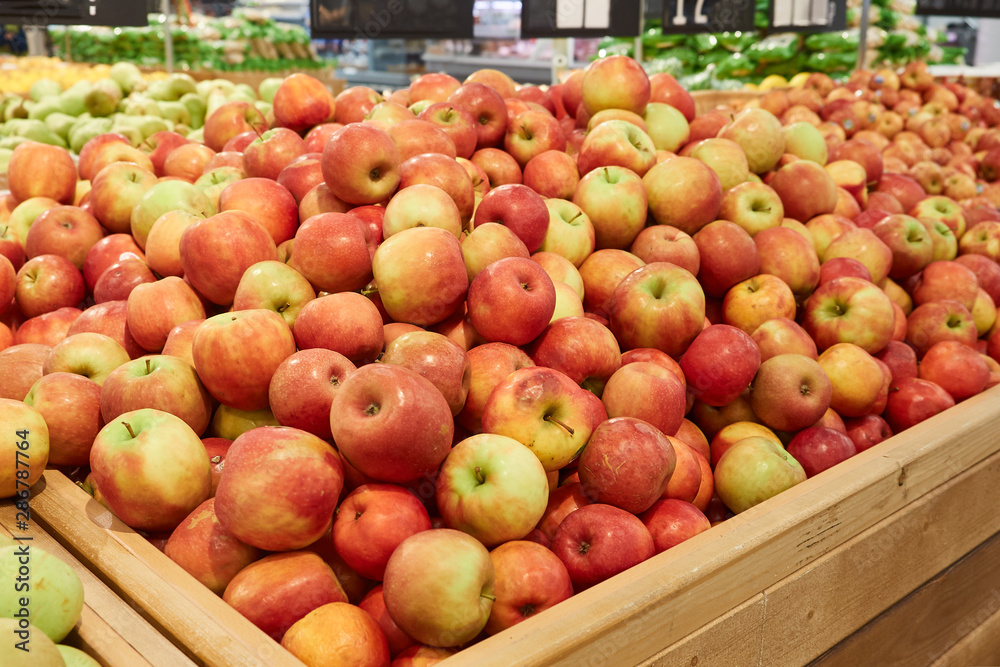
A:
<point x="175" y="112"/>
<point x="163" y="197"/>
<point x="666" y="126"/>
<point x="804" y="141"/>
<point x="104" y="97"/>
<point x="74" y="657"/>
<point x="213" y="182"/>
<point x="263" y="107"/>
<point x="60" y="123"/>
<point x="417" y="107"/>
<point x="53" y="590"/>
<point x="85" y="130"/>
<point x="268" y="88"/>
<point x="570" y="233"/>
<point x="41" y="651"/>
<point x="753" y="470"/>
<point x="127" y="76"/>
<point x="25" y="213"/>
<point x="196" y="109"/>
<point x="151" y="468"/>
<point x="44" y="88"/>
<point x="40" y="110"/>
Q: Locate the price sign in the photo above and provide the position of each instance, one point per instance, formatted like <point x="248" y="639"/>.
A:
<point x="808" y="15"/>
<point x="696" y="16"/>
<point x="114" y="13"/>
<point x="979" y="8"/>
<point x="581" y="18"/>
<point x="391" y="19"/>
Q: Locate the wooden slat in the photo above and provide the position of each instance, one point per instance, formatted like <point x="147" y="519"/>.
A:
<point x="211" y="631"/>
<point x="732" y="640"/>
<point x="633" y="616"/>
<point x="109" y="630"/>
<point x="979" y="647"/>
<point x="934" y="618"/>
<point x="814" y="608"/>
<point x="839" y="593"/>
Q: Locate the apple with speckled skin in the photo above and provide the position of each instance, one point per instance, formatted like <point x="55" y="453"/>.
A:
<point x="152" y="469"/>
<point x="236" y="354"/>
<point x="753" y="470"/>
<point x="276" y="471"/>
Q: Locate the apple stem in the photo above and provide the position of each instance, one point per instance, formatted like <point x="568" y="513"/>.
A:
<point x="479" y="475"/>
<point x="488" y="596"/>
<point x="569" y="429"/>
<point x="129" y="427"/>
<point x="148" y="369"/>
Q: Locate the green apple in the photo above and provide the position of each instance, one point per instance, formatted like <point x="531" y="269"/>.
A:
<point x="127" y="76"/>
<point x="86" y="129"/>
<point x="196" y="109"/>
<point x="104" y="97"/>
<point x="163" y="197"/>
<point x="666" y="126"/>
<point x="147" y="125"/>
<point x="74" y="657"/>
<point x="25" y="213"/>
<point x="60" y="123"/>
<point x="44" y="88"/>
<point x="244" y="91"/>
<point x="805" y="142"/>
<point x="40" y="110"/>
<point x="53" y="589"/>
<point x="140" y="105"/>
<point x="175" y="112"/>
<point x="268" y="88"/>
<point x="418" y="107"/>
<point x="570" y="233"/>
<point x="41" y="651"/>
<point x="151" y="468"/>
<point x="263" y="107"/>
<point x="213" y="182"/>
<point x="493" y="488"/>
<point x="753" y="470"/>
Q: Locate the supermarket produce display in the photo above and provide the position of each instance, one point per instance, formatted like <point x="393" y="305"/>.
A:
<point x="424" y="365"/>
<point x="245" y="40"/>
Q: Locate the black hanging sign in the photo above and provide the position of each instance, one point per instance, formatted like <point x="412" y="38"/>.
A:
<point x="977" y="8"/>
<point x="807" y="15"/>
<point x="699" y="16"/>
<point x="391" y="19"/>
<point x="581" y="18"/>
<point x="112" y="13"/>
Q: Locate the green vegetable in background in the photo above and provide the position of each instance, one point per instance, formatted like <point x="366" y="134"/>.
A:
<point x="834" y="41"/>
<point x="775" y="48"/>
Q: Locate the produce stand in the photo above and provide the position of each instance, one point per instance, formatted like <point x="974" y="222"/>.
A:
<point x="109" y="630"/>
<point x="894" y="542"/>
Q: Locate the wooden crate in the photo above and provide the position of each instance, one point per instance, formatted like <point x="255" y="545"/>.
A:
<point x="207" y="630"/>
<point x="891" y="555"/>
<point x="109" y="630"/>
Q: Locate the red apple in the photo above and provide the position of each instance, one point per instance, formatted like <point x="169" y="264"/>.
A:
<point x="376" y="407"/>
<point x="71" y="407"/>
<point x="598" y="541"/>
<point x="671" y="522"/>
<point x="868" y="431"/>
<point x="345" y="322"/>
<point x="231" y="119"/>
<point x="511" y="301"/>
<point x="41" y="170"/>
<point x="684" y="193"/>
<point x="356" y="181"/>
<point x="820" y="448"/>
<point x="914" y="400"/>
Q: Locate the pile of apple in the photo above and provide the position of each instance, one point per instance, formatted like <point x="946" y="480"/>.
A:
<point x="393" y="374"/>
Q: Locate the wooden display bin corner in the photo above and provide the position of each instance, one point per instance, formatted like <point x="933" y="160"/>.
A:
<point x="892" y="557"/>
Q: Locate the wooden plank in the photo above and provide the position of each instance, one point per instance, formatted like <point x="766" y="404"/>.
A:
<point x="636" y="614"/>
<point x="839" y="593"/>
<point x="732" y="640"/>
<point x="924" y="625"/>
<point x="979" y="647"/>
<point x="211" y="631"/>
<point x="109" y="630"/>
